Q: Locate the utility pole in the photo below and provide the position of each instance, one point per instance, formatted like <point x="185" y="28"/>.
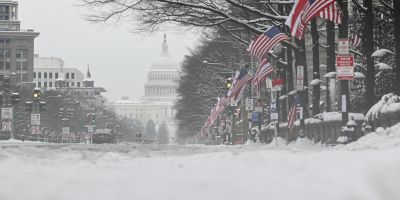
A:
<point x="344" y="84"/>
<point x="8" y="100"/>
<point x="34" y="107"/>
<point x="368" y="45"/>
<point x="396" y="5"/>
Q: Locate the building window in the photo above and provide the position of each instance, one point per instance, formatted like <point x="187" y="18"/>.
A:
<point x="72" y="75"/>
<point x="67" y="76"/>
<point x="50" y="84"/>
<point x="22" y="65"/>
<point x="4" y="12"/>
<point x="45" y="84"/>
<point x="56" y="75"/>
<point x="22" y="54"/>
<point x="34" y="74"/>
<point x="4" y="41"/>
<point x="39" y="75"/>
<point x="72" y="84"/>
<point x="50" y="75"/>
<point x="44" y="74"/>
<point x="79" y="84"/>
<point x="39" y="84"/>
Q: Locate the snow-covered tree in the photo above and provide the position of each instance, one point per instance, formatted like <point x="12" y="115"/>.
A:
<point x="150" y="130"/>
<point x="163" y="134"/>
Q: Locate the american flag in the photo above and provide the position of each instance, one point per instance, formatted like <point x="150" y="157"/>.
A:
<point x="355" y="40"/>
<point x="265" y="42"/>
<point x="308" y="12"/>
<point x="262" y="72"/>
<point x="332" y="13"/>
<point x="294" y="18"/>
<point x="235" y="78"/>
<point x="293" y="113"/>
<point x="243" y="78"/>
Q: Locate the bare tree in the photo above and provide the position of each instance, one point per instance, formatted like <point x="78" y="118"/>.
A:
<point x="237" y="17"/>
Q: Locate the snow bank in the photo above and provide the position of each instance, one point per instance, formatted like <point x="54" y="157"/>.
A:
<point x="380" y="139"/>
<point x="389" y="104"/>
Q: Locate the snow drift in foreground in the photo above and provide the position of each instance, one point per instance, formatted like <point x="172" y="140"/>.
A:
<point x="367" y="169"/>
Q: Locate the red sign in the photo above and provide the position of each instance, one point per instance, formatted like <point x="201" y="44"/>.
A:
<point x="277" y="82"/>
<point x="345" y="67"/>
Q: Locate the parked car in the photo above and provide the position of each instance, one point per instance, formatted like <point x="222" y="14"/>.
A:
<point x="101" y="136"/>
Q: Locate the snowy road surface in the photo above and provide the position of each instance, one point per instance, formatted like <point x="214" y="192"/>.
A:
<point x="361" y="171"/>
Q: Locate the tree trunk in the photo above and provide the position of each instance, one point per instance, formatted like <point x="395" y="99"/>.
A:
<point x="316" y="74"/>
<point x="330" y="58"/>
<point x="368" y="45"/>
<point x="396" y="4"/>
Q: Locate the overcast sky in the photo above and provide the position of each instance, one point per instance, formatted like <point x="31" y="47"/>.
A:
<point x="119" y="60"/>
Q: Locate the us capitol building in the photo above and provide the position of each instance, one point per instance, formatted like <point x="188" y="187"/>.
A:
<point x="160" y="94"/>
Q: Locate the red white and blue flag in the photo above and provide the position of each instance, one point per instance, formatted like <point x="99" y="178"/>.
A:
<point x="294" y="110"/>
<point x="355" y="40"/>
<point x="265" y="42"/>
<point x="302" y="12"/>
<point x="243" y="78"/>
<point x="264" y="70"/>
<point x="332" y="13"/>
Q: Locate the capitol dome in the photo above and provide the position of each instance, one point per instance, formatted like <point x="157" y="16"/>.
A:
<point x="164" y="61"/>
<point x="162" y="79"/>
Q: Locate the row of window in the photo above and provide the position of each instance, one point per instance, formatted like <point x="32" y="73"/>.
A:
<point x="21" y="65"/>
<point x="19" y="53"/>
<point x="169" y="77"/>
<point x="16" y="41"/>
<point x="49" y="75"/>
<point x="51" y="84"/>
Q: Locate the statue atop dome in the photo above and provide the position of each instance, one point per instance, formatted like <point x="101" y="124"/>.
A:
<point x="164" y="50"/>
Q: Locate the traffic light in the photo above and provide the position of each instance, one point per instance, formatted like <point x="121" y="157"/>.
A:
<point x="28" y="106"/>
<point x="61" y="113"/>
<point x="229" y="83"/>
<point x="70" y="113"/>
<point x="6" y="82"/>
<point x="93" y="117"/>
<point x="36" y="94"/>
<point x="15" y="98"/>
<point x="42" y="106"/>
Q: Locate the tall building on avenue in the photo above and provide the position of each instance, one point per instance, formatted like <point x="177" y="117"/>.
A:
<point x="16" y="44"/>
<point x="157" y="104"/>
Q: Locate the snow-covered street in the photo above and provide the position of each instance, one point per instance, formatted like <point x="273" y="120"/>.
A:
<point x="366" y="170"/>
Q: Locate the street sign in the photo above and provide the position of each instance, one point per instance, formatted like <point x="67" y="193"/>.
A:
<point x="254" y="117"/>
<point x="274" y="117"/>
<point x="65" y="130"/>
<point x="35" y="130"/>
<point x="345" y="67"/>
<point x="6" y="126"/>
<point x="90" y="128"/>
<point x="35" y="119"/>
<point x="6" y="113"/>
<point x="249" y="104"/>
<point x="343" y="46"/>
<point x="277" y="84"/>
<point x="273" y="106"/>
<point x="249" y="115"/>
<point x="233" y="103"/>
<point x="344" y="102"/>
<point x="273" y="111"/>
<point x="300" y="78"/>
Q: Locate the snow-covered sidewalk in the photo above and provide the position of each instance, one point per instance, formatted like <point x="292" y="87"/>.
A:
<point x="366" y="170"/>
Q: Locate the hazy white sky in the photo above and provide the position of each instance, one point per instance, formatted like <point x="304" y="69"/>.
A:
<point x="119" y="60"/>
